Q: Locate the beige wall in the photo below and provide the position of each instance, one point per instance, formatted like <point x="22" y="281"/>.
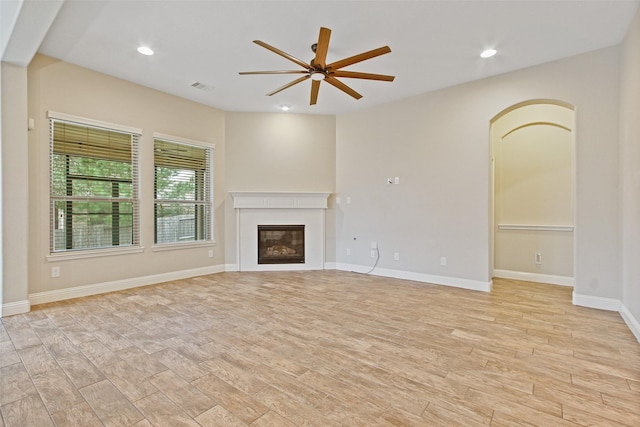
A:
<point x="630" y="175"/>
<point x="1" y="197"/>
<point x="438" y="144"/>
<point x="280" y="152"/>
<point x="15" y="195"/>
<point x="65" y="88"/>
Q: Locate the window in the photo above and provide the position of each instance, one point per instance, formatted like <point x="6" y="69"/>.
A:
<point x="94" y="189"/>
<point x="183" y="191"/>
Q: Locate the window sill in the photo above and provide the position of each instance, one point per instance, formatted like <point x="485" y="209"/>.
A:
<point x="178" y="246"/>
<point x="95" y="253"/>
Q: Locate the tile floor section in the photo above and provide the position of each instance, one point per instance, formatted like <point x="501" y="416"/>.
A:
<point x="318" y="349"/>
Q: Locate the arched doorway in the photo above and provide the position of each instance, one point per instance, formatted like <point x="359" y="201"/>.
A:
<point x="533" y="198"/>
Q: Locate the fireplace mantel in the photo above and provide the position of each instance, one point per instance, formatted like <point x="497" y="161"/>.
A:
<point x="254" y="208"/>
<point x="278" y="200"/>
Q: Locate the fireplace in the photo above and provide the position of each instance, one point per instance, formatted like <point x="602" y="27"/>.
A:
<point x="280" y="244"/>
<point x="257" y="208"/>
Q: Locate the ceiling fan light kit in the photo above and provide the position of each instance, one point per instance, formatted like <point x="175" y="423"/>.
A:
<point x="317" y="75"/>
<point x="318" y="70"/>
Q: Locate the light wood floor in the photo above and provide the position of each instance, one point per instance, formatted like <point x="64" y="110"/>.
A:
<point x="319" y="349"/>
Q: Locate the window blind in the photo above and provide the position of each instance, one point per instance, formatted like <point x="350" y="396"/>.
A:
<point x="84" y="141"/>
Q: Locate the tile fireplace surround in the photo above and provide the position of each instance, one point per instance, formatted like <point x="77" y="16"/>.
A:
<point x="279" y="208"/>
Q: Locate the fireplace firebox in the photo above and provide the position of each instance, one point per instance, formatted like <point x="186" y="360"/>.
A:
<point x="280" y="244"/>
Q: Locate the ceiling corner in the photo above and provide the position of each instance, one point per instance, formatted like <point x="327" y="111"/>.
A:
<point x="25" y="24"/>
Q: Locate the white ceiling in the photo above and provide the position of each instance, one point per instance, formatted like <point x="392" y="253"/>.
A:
<point x="434" y="44"/>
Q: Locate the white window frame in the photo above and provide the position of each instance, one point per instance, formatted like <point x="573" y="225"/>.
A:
<point x="135" y="246"/>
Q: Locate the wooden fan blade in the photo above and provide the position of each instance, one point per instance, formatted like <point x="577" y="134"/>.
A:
<point x="368" y="76"/>
<point x="343" y="87"/>
<point x="315" y="88"/>
<point x="359" y="57"/>
<point x="283" y="54"/>
<point x="288" y="85"/>
<point x="244" y="73"/>
<point x="322" y="47"/>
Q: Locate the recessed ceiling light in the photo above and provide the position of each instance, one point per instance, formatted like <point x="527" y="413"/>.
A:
<point x="285" y="108"/>
<point x="488" y="53"/>
<point x="145" y="50"/>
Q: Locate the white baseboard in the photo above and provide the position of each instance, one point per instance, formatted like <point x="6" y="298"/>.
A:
<point x="534" y="277"/>
<point x="600" y="303"/>
<point x="231" y="267"/>
<point x="610" y="304"/>
<point x="13" y="308"/>
<point x="475" y="285"/>
<point x="631" y="321"/>
<point x="118" y="285"/>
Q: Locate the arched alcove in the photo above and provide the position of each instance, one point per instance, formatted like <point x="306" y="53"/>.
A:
<point x="533" y="197"/>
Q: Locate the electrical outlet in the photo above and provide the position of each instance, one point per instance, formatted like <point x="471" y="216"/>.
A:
<point x="396" y="180"/>
<point x="443" y="261"/>
<point x="210" y="253"/>
<point x="373" y="253"/>
<point x="396" y="256"/>
<point x="348" y="251"/>
<point x="538" y="258"/>
<point x="55" y="271"/>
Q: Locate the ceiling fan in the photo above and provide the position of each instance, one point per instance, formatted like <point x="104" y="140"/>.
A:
<point x="318" y="70"/>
